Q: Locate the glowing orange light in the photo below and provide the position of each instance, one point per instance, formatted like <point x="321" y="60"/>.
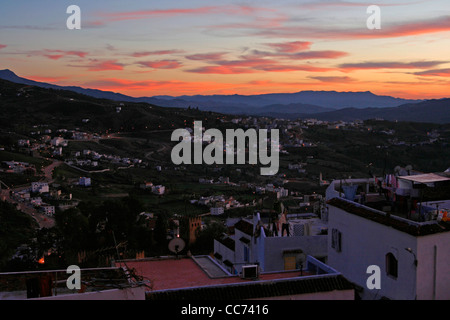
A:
<point x="41" y="260"/>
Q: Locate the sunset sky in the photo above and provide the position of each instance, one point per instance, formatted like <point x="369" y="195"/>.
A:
<point x="148" y="48"/>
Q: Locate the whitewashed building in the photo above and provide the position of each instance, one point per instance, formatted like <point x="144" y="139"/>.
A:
<point x="39" y="187"/>
<point x="413" y="257"/>
<point x="216" y="211"/>
<point x="84" y="182"/>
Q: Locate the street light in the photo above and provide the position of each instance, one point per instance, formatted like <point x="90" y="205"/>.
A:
<point x="412" y="252"/>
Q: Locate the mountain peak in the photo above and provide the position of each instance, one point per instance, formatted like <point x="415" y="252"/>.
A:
<point x="7" y="72"/>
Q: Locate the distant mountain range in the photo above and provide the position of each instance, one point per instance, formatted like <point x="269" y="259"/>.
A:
<point x="323" y="105"/>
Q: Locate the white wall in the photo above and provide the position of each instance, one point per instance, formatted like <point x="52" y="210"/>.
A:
<point x="239" y="249"/>
<point x="366" y="243"/>
<point x="226" y="253"/>
<point x="433" y="275"/>
<point x="315" y="246"/>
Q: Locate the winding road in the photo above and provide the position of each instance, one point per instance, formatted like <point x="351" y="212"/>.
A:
<point x="43" y="220"/>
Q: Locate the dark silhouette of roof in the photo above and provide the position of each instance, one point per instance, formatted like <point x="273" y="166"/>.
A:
<point x="244" y="226"/>
<point x="256" y="289"/>
<point x="227" y="242"/>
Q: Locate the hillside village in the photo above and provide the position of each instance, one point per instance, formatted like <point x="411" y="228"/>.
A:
<point x="122" y="182"/>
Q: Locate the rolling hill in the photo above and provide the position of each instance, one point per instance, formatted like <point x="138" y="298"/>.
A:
<point x="322" y="105"/>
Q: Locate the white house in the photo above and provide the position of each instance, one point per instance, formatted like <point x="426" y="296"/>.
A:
<point x="158" y="189"/>
<point x="58" y="141"/>
<point x="48" y="210"/>
<point x="84" y="182"/>
<point x="40" y="187"/>
<point x="37" y="201"/>
<point x="413" y="257"/>
<point x="252" y="243"/>
<point x="216" y="211"/>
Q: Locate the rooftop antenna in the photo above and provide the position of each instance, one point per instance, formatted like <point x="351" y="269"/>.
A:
<point x="176" y="245"/>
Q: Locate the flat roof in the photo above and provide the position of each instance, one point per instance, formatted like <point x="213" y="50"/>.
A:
<point x="425" y="178"/>
<point x="411" y="227"/>
<point x="172" y="273"/>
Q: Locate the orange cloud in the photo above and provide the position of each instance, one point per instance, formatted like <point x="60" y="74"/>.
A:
<point x="434" y="73"/>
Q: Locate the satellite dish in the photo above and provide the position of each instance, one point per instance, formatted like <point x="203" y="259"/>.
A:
<point x="301" y="261"/>
<point x="176" y="245"/>
<point x="302" y="258"/>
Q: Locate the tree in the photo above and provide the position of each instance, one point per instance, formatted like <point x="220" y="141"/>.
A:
<point x="204" y="243"/>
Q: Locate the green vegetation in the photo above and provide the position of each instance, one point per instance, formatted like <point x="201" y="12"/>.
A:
<point x="108" y="211"/>
<point x="16" y="228"/>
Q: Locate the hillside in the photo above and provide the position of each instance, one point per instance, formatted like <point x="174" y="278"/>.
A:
<point x="433" y="111"/>
<point x="24" y="105"/>
<point x="270" y="104"/>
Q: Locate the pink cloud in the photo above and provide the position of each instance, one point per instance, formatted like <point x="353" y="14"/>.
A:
<point x="252" y="64"/>
<point x="255" y="63"/>
<point x="291" y="47"/>
<point x="206" y="56"/>
<point x="2" y="46"/>
<point x="345" y="4"/>
<point x="105" y="65"/>
<point x="144" y="14"/>
<point x="325" y="54"/>
<point x="57" y="54"/>
<point x="101" y="65"/>
<point x="332" y="79"/>
<point x="414" y="28"/>
<point x="389" y="65"/>
<point x="140" y="54"/>
<point x="54" y="56"/>
<point x="288" y="68"/>
<point x="221" y="70"/>
<point x="161" y="64"/>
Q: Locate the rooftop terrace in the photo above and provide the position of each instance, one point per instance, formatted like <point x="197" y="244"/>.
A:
<point x="200" y="277"/>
